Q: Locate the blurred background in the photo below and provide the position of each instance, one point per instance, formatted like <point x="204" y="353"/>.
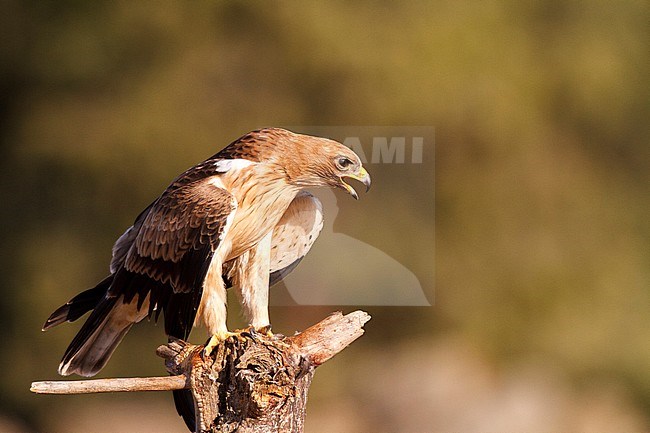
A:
<point x="541" y="290"/>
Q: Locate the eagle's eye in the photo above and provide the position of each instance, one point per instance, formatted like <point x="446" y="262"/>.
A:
<point x="343" y="163"/>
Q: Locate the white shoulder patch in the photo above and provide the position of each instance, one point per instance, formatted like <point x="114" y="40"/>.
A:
<point x="224" y="165"/>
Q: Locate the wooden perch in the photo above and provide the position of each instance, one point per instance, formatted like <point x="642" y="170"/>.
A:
<point x="254" y="383"/>
<point x="167" y="383"/>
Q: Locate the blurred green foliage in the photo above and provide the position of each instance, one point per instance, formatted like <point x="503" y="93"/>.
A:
<point x="542" y="190"/>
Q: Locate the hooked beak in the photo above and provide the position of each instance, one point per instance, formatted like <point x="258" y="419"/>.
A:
<point x="362" y="176"/>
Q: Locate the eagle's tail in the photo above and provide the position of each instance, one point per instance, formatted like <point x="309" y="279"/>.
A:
<point x="109" y="321"/>
<point x="94" y="343"/>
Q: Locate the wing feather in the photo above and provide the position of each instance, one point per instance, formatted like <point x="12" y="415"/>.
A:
<point x="180" y="233"/>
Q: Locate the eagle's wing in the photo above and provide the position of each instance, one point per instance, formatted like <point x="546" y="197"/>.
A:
<point x="171" y="245"/>
<point x="295" y="234"/>
<point x="179" y="235"/>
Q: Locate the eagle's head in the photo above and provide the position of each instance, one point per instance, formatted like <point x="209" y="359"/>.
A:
<point x="314" y="161"/>
<point x="335" y="163"/>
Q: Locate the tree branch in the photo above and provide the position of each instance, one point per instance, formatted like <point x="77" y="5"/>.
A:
<point x="130" y="384"/>
<point x="328" y="337"/>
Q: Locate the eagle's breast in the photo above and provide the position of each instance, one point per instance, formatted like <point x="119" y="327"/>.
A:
<point x="262" y="196"/>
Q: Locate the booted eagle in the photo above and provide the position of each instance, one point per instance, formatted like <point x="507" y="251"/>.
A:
<point x="239" y="219"/>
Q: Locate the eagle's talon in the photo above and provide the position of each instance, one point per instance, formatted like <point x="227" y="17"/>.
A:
<point x="243" y="336"/>
<point x="216" y="340"/>
<point x="265" y="330"/>
<point x="255" y="333"/>
<point x="248" y="333"/>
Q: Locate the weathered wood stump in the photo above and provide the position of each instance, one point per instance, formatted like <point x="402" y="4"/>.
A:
<point x="250" y="384"/>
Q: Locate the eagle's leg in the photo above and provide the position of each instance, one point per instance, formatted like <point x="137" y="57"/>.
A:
<point x="251" y="282"/>
<point x="212" y="308"/>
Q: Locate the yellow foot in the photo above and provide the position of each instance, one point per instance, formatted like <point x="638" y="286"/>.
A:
<point x="216" y="339"/>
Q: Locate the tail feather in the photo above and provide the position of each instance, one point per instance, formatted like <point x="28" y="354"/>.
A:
<point x="79" y="305"/>
<point x="97" y="339"/>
